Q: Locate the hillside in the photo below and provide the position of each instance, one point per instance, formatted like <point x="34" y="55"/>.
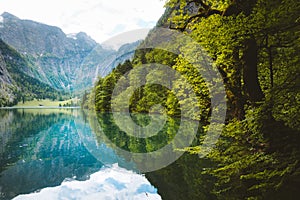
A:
<point x="15" y="85"/>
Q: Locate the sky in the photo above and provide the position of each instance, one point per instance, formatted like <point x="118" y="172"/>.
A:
<point x="100" y="19"/>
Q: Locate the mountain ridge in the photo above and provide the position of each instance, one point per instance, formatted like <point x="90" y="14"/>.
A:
<point x="63" y="61"/>
<point x="15" y="85"/>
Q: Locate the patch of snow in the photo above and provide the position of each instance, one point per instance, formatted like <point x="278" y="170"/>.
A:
<point x="72" y="35"/>
<point x="1" y="21"/>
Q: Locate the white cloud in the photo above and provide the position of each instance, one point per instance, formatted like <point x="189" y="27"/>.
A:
<point x="98" y="18"/>
<point x="126" y="37"/>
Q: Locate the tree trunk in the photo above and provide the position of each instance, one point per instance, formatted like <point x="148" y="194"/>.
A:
<point x="250" y="75"/>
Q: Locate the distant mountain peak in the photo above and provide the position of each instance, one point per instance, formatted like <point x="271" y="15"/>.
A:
<point x="64" y="61"/>
<point x="85" y="37"/>
<point x="82" y="34"/>
<point x="7" y="15"/>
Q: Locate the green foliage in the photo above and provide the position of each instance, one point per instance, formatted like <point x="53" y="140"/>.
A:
<point x="25" y="88"/>
<point x="257" y="156"/>
<point x="255" y="45"/>
<point x="247" y="168"/>
<point x="145" y="97"/>
<point x="133" y="144"/>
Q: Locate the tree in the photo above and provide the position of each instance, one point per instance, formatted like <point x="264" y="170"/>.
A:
<point x="253" y="44"/>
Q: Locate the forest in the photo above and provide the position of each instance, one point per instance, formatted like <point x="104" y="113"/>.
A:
<point x="255" y="46"/>
<point x="24" y="87"/>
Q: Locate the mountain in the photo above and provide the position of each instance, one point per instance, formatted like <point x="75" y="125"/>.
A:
<point x="15" y="85"/>
<point x="65" y="62"/>
<point x="6" y="84"/>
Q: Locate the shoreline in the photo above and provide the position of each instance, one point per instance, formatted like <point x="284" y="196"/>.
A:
<point x="39" y="107"/>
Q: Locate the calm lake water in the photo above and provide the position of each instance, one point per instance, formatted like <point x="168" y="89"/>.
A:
<point x="58" y="154"/>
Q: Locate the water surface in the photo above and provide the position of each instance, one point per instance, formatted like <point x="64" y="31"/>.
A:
<point x="50" y="152"/>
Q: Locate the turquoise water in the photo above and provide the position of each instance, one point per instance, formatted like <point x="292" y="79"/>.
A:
<point x="51" y="153"/>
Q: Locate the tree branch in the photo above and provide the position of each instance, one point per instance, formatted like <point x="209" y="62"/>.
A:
<point x="205" y="13"/>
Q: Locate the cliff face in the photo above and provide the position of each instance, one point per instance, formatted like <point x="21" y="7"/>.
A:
<point x="16" y="85"/>
<point x="35" y="38"/>
<point x="6" y="84"/>
<point x="65" y="62"/>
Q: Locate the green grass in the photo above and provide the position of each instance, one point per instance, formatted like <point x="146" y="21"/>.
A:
<point x="46" y="102"/>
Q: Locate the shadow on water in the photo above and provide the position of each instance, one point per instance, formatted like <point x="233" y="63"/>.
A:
<point x="181" y="179"/>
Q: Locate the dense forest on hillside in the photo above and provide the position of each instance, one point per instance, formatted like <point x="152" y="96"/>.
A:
<point x="255" y="45"/>
<point x="22" y="87"/>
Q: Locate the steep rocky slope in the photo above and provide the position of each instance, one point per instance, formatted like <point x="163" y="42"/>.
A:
<point x="65" y="62"/>
<point x="15" y="85"/>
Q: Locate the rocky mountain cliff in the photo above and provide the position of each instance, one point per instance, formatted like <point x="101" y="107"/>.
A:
<point x="65" y="62"/>
<point x="6" y="84"/>
<point x="15" y="85"/>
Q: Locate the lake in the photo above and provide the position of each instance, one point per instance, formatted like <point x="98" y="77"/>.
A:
<point x="74" y="154"/>
<point x="58" y="154"/>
